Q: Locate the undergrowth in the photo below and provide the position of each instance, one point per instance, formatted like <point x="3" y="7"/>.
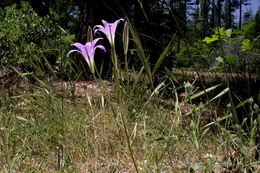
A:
<point x="43" y="130"/>
<point x="124" y="125"/>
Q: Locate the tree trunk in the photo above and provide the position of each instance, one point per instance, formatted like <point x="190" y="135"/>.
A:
<point x="240" y="14"/>
<point x="18" y="4"/>
<point x="41" y="7"/>
<point x="86" y="20"/>
<point x="184" y="16"/>
<point x="205" y="17"/>
<point x="213" y="11"/>
<point x="219" y="12"/>
<point x="228" y="13"/>
<point x="91" y="13"/>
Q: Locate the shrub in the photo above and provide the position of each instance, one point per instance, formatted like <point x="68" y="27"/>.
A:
<point x="198" y="51"/>
<point x="25" y="37"/>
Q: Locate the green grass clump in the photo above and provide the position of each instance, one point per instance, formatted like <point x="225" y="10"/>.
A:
<point x="45" y="130"/>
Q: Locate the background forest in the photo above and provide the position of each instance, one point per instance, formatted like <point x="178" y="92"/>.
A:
<point x="176" y="91"/>
<point x="182" y="25"/>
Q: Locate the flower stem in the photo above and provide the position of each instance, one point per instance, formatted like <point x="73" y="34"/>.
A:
<point x="116" y="73"/>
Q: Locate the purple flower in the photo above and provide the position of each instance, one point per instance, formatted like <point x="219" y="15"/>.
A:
<point x="19" y="68"/>
<point x="109" y="29"/>
<point x="88" y="51"/>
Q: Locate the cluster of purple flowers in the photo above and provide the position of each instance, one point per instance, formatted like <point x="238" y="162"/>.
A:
<point x="88" y="50"/>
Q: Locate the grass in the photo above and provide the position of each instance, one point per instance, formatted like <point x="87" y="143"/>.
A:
<point x="48" y="125"/>
<point x="44" y="130"/>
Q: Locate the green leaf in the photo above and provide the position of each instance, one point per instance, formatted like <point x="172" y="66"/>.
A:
<point x="246" y="44"/>
<point x="220" y="59"/>
<point x="210" y="39"/>
<point x="230" y="59"/>
<point x="237" y="32"/>
<point x="228" y="32"/>
<point x="247" y="26"/>
<point x="220" y="32"/>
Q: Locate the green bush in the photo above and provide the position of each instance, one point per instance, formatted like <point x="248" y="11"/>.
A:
<point x="26" y="38"/>
<point x="197" y="51"/>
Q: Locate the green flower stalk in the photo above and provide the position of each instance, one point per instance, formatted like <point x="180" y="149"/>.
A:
<point x="125" y="41"/>
<point x="109" y="29"/>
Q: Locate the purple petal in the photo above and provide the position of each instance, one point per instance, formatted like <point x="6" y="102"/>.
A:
<point x="94" y="42"/>
<point x="81" y="48"/>
<point x="104" y="22"/>
<point x="98" y="28"/>
<point x="114" y="26"/>
<point x="78" y="45"/>
<point x="88" y="50"/>
<point x="101" y="47"/>
<point x="74" y="50"/>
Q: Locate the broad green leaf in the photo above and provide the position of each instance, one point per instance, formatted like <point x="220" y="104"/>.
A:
<point x="230" y="59"/>
<point x="220" y="59"/>
<point x="237" y="32"/>
<point x="210" y="39"/>
<point x="220" y="31"/>
<point x="228" y="33"/>
<point x="246" y="44"/>
<point x="247" y="26"/>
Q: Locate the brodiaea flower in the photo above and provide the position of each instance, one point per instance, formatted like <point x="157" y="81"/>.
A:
<point x="88" y="51"/>
<point x="109" y="29"/>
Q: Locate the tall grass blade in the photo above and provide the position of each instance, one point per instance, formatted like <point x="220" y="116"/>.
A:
<point x="220" y="94"/>
<point x="217" y="121"/>
<point x="47" y="64"/>
<point x="163" y="55"/>
<point x="140" y="53"/>
<point x="204" y="92"/>
<point x="233" y="109"/>
<point x="142" y="8"/>
<point x="170" y="75"/>
<point x="156" y="91"/>
<point x="249" y="100"/>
